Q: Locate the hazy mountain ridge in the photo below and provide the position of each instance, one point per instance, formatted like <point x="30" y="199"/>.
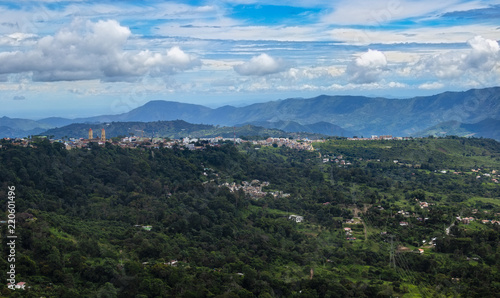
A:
<point x="358" y="114"/>
<point x="349" y="114"/>
<point x="166" y="129"/>
<point x="22" y="124"/>
<point x="489" y="128"/>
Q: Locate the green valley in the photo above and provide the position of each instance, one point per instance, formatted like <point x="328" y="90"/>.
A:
<point x="375" y="218"/>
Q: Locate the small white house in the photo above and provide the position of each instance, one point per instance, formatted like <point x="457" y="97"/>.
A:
<point x="296" y="218"/>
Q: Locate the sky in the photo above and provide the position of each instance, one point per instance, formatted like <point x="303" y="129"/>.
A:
<point x="83" y="58"/>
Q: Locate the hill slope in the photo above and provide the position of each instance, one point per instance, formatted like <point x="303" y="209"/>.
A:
<point x="116" y="222"/>
<point x="488" y="128"/>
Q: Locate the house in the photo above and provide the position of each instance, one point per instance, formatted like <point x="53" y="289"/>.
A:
<point x="424" y="205"/>
<point x="403" y="223"/>
<point x="296" y="218"/>
<point x="172" y="263"/>
<point x="467" y="220"/>
<point x="19" y="285"/>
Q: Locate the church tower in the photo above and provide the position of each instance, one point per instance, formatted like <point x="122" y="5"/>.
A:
<point x="91" y="135"/>
<point x="103" y="135"/>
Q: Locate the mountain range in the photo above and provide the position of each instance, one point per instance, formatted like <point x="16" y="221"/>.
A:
<point x="330" y="115"/>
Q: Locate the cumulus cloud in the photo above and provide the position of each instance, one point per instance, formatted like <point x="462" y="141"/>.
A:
<point x="482" y="56"/>
<point x="367" y="68"/>
<point x="15" y="39"/>
<point x="261" y="65"/>
<point x="92" y="50"/>
<point x="431" y="86"/>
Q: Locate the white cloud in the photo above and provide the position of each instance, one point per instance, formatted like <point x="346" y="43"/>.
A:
<point x="430" y="86"/>
<point x="261" y="65"/>
<point x="231" y="30"/>
<point x="424" y="34"/>
<point x="482" y="57"/>
<point x="397" y="85"/>
<point x="15" y="39"/>
<point x="88" y="50"/>
<point x="370" y="86"/>
<point x="361" y="12"/>
<point x="313" y="73"/>
<point x="484" y="54"/>
<point x="367" y="68"/>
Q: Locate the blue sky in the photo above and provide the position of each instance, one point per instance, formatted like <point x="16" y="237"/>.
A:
<point x="82" y="58"/>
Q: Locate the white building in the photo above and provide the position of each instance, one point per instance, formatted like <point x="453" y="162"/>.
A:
<point x="296" y="218"/>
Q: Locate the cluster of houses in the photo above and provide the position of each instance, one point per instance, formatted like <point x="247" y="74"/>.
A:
<point x="494" y="176"/>
<point x="423" y="205"/>
<point x="254" y="189"/>
<point x="379" y="138"/>
<point x="155" y="143"/>
<point x="302" y="144"/>
<point x="187" y="142"/>
<point x="490" y="221"/>
<point x="348" y="230"/>
<point x="468" y="220"/>
<point x="348" y="233"/>
<point x="339" y="159"/>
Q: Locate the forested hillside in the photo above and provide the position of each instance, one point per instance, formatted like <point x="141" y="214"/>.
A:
<point x="169" y="129"/>
<point x="114" y="222"/>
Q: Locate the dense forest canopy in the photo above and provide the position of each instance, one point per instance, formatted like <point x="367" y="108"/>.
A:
<point x="379" y="218"/>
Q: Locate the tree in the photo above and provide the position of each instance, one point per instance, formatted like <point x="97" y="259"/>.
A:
<point x="108" y="290"/>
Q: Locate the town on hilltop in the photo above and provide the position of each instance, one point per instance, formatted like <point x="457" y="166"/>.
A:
<point x="158" y="142"/>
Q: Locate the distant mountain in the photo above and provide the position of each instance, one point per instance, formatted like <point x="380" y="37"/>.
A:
<point x="362" y="115"/>
<point x="155" y="110"/>
<point x="332" y="115"/>
<point x="56" y="121"/>
<point x="488" y="128"/>
<point x="167" y="129"/>
<point x="15" y="127"/>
